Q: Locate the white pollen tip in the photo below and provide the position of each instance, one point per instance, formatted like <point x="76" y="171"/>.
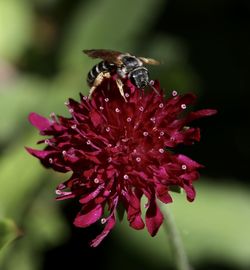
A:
<point x="184" y="167"/>
<point x="125" y="176"/>
<point x="161" y="150"/>
<point x="103" y="220"/>
<point x="96" y="180"/>
<point x="183" y="106"/>
<point x="174" y="93"/>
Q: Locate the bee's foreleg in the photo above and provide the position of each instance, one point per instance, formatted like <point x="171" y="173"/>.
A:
<point x="98" y="81"/>
<point x="120" y="87"/>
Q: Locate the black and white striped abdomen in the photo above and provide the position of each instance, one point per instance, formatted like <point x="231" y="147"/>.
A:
<point x="103" y="66"/>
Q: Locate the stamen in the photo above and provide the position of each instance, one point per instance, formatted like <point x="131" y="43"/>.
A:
<point x="184" y="167"/>
<point x="103" y="220"/>
<point x="174" y="93"/>
<point x="96" y="180"/>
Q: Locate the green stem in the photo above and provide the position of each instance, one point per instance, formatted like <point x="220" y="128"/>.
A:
<point x="179" y="253"/>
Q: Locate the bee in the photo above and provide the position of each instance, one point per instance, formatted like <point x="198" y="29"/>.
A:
<point x="124" y="65"/>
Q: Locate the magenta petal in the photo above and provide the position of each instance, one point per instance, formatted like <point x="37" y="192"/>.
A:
<point x="190" y="191"/>
<point x="154" y="218"/>
<point x="39" y="121"/>
<point x="137" y="222"/>
<point x="96" y="118"/>
<point x="41" y="154"/>
<point x="109" y="226"/>
<point x="84" y="220"/>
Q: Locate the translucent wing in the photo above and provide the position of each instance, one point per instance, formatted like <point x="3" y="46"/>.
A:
<point x="149" y="61"/>
<point x="107" y="55"/>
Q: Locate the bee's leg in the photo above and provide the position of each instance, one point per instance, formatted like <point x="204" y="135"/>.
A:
<point x="120" y="87"/>
<point x="98" y="81"/>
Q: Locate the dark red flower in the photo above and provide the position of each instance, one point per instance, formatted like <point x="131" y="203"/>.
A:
<point x="119" y="151"/>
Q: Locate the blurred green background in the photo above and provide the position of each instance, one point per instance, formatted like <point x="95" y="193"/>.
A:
<point x="204" y="47"/>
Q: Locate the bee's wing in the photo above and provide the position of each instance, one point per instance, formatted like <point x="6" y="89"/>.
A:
<point x="149" y="61"/>
<point x="107" y="55"/>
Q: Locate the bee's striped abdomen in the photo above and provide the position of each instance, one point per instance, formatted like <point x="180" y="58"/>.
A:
<point x="103" y="66"/>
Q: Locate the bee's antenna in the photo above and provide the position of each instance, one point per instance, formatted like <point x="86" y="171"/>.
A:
<point x="151" y="84"/>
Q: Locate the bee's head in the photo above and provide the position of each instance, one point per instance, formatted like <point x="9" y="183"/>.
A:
<point x="139" y="77"/>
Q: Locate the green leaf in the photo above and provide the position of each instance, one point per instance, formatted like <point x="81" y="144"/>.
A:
<point x="8" y="232"/>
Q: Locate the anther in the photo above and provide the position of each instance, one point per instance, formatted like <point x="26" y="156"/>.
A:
<point x="126" y="94"/>
<point x="106" y="99"/>
<point x="125" y="176"/>
<point x="117" y="110"/>
<point x="73" y="127"/>
<point x="64" y="153"/>
<point x="88" y="142"/>
<point x="152" y="119"/>
<point x="108" y="129"/>
<point x="161" y="150"/>
<point x="129" y="119"/>
<point x="161" y="133"/>
<point x="174" y="93"/>
<point x="101" y="108"/>
<point x="141" y="109"/>
<point x="161" y="105"/>
<point x="145" y="133"/>
<point x="183" y="106"/>
<point x="50" y="160"/>
<point x="85" y="98"/>
<point x="46" y="141"/>
<point x="96" y="180"/>
<point x="109" y="159"/>
<point x="138" y="159"/>
<point x="66" y="103"/>
<point x="71" y="110"/>
<point x="103" y="220"/>
<point x="184" y="167"/>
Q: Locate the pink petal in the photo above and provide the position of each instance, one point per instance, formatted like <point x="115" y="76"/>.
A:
<point x="39" y="121"/>
<point x="154" y="218"/>
<point x="95" y="117"/>
<point x="109" y="226"/>
<point x="41" y="154"/>
<point x="86" y="219"/>
<point x="162" y="194"/>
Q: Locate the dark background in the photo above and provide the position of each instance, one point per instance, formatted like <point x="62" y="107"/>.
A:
<point x="204" y="47"/>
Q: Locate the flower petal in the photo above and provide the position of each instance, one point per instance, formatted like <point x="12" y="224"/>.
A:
<point x="85" y="219"/>
<point x="39" y="121"/>
<point x="109" y="226"/>
<point x="154" y="218"/>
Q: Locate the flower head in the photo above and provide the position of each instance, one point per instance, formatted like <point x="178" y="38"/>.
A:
<point x="119" y="151"/>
